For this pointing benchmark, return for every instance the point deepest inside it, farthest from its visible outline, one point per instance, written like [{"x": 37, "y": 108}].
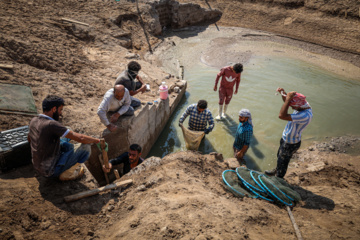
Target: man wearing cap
[
  {"x": 132, "y": 82},
  {"x": 243, "y": 136},
  {"x": 297, "y": 122},
  {"x": 230, "y": 76}
]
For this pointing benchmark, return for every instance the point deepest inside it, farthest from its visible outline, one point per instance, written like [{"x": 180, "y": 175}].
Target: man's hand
[
  {"x": 240, "y": 154},
  {"x": 107, "y": 170},
  {"x": 215, "y": 88},
  {"x": 114, "y": 117},
  {"x": 112, "y": 127},
  {"x": 180, "y": 124},
  {"x": 143, "y": 88},
  {"x": 236, "y": 91},
  {"x": 290, "y": 95}
]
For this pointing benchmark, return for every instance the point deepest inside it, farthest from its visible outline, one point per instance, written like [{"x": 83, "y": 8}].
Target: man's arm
[
  {"x": 211, "y": 122},
  {"x": 185, "y": 114},
  {"x": 102, "y": 110},
  {"x": 217, "y": 78},
  {"x": 81, "y": 138},
  {"x": 283, "y": 115},
  {"x": 238, "y": 79}
]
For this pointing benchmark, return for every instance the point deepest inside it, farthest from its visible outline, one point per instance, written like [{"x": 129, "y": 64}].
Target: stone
[{"x": 232, "y": 163}]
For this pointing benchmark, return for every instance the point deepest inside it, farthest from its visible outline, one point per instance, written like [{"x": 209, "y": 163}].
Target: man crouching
[{"x": 51, "y": 156}]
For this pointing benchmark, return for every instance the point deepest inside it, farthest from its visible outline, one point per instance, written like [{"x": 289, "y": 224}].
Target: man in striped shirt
[
  {"x": 297, "y": 122},
  {"x": 199, "y": 117}
]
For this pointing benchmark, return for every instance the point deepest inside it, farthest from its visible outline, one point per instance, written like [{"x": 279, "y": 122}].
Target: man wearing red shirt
[{"x": 230, "y": 75}]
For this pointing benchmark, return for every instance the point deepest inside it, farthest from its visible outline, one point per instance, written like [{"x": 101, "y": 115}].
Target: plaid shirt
[
  {"x": 243, "y": 136},
  {"x": 198, "y": 120}
]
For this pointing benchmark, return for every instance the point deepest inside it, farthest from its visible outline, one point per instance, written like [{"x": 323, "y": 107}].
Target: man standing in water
[
  {"x": 243, "y": 136},
  {"x": 297, "y": 122},
  {"x": 230, "y": 75},
  {"x": 199, "y": 117}
]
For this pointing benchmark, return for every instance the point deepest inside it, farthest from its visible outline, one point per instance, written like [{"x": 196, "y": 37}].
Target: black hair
[
  {"x": 135, "y": 147},
  {"x": 52, "y": 101},
  {"x": 238, "y": 68},
  {"x": 134, "y": 66},
  {"x": 202, "y": 104}
]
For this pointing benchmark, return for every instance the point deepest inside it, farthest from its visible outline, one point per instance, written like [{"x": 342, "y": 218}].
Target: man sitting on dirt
[
  {"x": 230, "y": 75},
  {"x": 116, "y": 100},
  {"x": 243, "y": 135},
  {"x": 130, "y": 159},
  {"x": 199, "y": 117},
  {"x": 297, "y": 122},
  {"x": 128, "y": 77},
  {"x": 51, "y": 156}
]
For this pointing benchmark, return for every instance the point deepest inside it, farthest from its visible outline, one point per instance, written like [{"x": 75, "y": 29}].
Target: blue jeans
[{"x": 70, "y": 156}]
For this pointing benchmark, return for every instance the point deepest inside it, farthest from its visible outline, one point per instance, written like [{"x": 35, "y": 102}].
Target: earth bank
[{"x": 180, "y": 196}]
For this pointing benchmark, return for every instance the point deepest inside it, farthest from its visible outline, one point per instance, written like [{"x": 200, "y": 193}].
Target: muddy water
[{"x": 334, "y": 98}]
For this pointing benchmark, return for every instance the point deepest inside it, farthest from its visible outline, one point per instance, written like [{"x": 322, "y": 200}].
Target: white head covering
[{"x": 246, "y": 113}]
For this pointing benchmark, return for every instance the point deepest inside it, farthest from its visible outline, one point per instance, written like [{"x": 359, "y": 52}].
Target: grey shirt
[
  {"x": 111, "y": 104},
  {"x": 125, "y": 80}
]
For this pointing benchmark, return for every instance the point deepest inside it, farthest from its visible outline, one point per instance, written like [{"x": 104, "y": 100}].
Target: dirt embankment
[
  {"x": 334, "y": 24},
  {"x": 182, "y": 197}
]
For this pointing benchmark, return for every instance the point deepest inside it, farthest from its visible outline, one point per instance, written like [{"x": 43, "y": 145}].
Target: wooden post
[
  {"x": 116, "y": 174},
  {"x": 297, "y": 230},
  {"x": 8, "y": 66},
  {"x": 96, "y": 191},
  {"x": 104, "y": 153},
  {"x": 105, "y": 173}
]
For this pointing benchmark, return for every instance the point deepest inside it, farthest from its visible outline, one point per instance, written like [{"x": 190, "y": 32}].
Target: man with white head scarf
[
  {"x": 243, "y": 136},
  {"x": 297, "y": 122}
]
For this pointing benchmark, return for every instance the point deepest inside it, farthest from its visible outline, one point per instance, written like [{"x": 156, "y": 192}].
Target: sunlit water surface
[{"x": 335, "y": 102}]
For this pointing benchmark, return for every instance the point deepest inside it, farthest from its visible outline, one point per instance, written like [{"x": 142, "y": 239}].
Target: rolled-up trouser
[
  {"x": 284, "y": 155},
  {"x": 70, "y": 155}
]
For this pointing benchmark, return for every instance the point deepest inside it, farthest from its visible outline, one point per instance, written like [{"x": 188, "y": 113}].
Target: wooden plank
[
  {"x": 105, "y": 173},
  {"x": 93, "y": 192},
  {"x": 8, "y": 66},
  {"x": 74, "y": 21},
  {"x": 297, "y": 230},
  {"x": 116, "y": 174}
]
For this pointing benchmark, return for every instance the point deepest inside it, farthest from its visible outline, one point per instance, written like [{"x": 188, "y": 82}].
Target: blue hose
[
  {"x": 273, "y": 194},
  {"x": 233, "y": 189}
]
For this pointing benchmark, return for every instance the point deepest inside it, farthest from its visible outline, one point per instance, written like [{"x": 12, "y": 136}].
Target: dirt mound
[{"x": 182, "y": 196}]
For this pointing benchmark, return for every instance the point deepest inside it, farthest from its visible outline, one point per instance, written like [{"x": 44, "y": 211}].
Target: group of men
[
  {"x": 54, "y": 156},
  {"x": 201, "y": 119}
]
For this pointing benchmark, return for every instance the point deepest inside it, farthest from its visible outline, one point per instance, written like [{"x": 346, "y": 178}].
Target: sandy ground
[{"x": 182, "y": 197}]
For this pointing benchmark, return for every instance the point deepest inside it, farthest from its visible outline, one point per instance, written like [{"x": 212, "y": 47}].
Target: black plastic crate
[{"x": 14, "y": 148}]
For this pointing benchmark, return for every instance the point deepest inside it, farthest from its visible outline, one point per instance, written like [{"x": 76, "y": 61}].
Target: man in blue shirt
[
  {"x": 297, "y": 122},
  {"x": 199, "y": 117},
  {"x": 243, "y": 136}
]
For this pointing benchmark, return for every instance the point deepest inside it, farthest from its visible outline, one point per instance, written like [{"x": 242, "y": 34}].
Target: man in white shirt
[{"x": 116, "y": 100}]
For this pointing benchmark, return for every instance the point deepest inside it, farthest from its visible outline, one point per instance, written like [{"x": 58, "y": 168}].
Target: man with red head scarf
[{"x": 297, "y": 122}]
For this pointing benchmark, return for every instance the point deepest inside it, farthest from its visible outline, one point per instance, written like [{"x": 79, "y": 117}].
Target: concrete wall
[{"x": 143, "y": 128}]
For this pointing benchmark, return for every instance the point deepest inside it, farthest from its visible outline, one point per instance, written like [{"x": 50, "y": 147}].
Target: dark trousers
[{"x": 284, "y": 155}]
